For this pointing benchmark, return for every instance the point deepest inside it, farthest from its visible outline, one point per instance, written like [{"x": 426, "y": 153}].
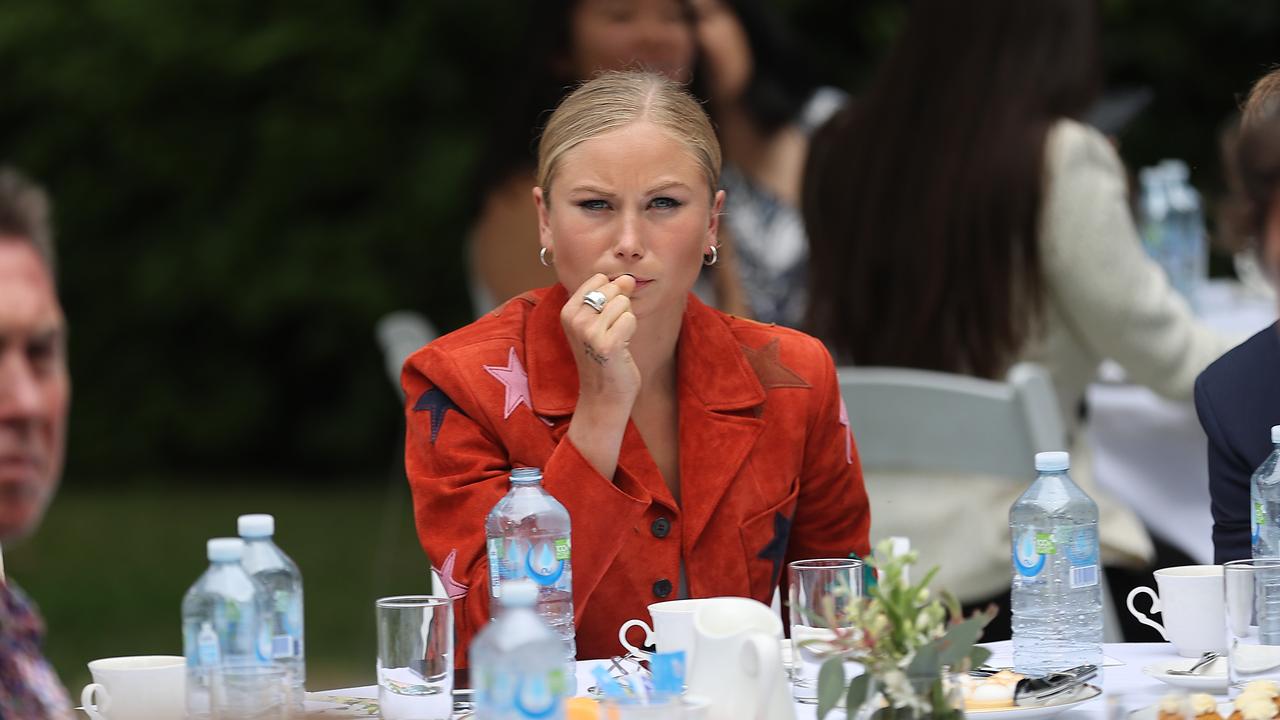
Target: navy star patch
[
  {"x": 776, "y": 550},
  {"x": 439, "y": 405}
]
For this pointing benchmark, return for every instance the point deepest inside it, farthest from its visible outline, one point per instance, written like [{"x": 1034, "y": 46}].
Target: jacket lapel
[
  {"x": 714, "y": 384},
  {"x": 715, "y": 436},
  {"x": 553, "y": 385}
]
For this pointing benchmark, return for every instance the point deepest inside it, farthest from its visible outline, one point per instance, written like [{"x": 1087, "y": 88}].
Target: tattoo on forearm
[{"x": 601, "y": 360}]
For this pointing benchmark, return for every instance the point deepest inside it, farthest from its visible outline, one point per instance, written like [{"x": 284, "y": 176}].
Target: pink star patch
[
  {"x": 848, "y": 433},
  {"x": 454, "y": 589},
  {"x": 515, "y": 380}
]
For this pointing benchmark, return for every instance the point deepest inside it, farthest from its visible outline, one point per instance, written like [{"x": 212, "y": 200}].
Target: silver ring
[{"x": 594, "y": 300}]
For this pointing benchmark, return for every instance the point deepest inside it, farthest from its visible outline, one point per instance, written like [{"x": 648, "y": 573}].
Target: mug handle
[
  {"x": 1155, "y": 608},
  {"x": 648, "y": 637},
  {"x": 761, "y": 662},
  {"x": 95, "y": 710}
]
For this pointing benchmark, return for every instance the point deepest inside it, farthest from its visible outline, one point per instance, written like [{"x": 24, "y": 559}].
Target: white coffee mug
[
  {"x": 1190, "y": 601},
  {"x": 672, "y": 629},
  {"x": 145, "y": 687}
]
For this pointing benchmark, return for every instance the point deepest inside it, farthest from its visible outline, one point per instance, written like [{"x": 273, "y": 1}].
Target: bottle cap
[
  {"x": 256, "y": 526},
  {"x": 519, "y": 593},
  {"x": 1052, "y": 461},
  {"x": 526, "y": 475},
  {"x": 225, "y": 549},
  {"x": 1275, "y": 434}
]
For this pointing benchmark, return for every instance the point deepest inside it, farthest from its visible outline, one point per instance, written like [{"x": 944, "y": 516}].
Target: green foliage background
[{"x": 243, "y": 188}]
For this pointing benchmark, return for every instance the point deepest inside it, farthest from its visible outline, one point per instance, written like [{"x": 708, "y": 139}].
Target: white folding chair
[
  {"x": 400, "y": 334},
  {"x": 925, "y": 422}
]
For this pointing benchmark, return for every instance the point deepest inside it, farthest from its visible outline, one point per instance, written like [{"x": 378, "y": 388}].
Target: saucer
[
  {"x": 1084, "y": 695},
  {"x": 1212, "y": 680}
]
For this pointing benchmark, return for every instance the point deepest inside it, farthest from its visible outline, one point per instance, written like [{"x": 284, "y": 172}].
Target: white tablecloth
[
  {"x": 1151, "y": 452},
  {"x": 1125, "y": 687}
]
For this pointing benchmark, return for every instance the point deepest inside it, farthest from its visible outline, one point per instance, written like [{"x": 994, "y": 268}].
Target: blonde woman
[{"x": 696, "y": 452}]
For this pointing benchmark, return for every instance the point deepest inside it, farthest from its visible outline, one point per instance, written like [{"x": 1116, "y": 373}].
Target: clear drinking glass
[
  {"x": 415, "y": 657},
  {"x": 1252, "y": 595},
  {"x": 819, "y": 589}
]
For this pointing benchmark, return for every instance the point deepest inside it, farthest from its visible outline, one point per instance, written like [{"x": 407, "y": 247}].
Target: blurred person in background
[
  {"x": 962, "y": 219},
  {"x": 696, "y": 453},
  {"x": 765, "y": 103},
  {"x": 1238, "y": 396},
  {"x": 35, "y": 392}
]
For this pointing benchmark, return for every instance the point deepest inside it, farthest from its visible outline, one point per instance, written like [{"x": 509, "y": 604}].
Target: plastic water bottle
[
  {"x": 1057, "y": 598},
  {"x": 528, "y": 538},
  {"x": 1188, "y": 249},
  {"x": 517, "y": 665},
  {"x": 224, "y": 635},
  {"x": 1264, "y": 522},
  {"x": 282, "y": 583},
  {"x": 1154, "y": 208}
]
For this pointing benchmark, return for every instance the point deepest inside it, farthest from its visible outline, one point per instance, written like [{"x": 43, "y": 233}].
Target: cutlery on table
[
  {"x": 1201, "y": 665},
  {"x": 1035, "y": 691}
]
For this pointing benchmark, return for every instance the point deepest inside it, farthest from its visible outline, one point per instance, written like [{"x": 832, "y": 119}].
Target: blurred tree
[{"x": 242, "y": 190}]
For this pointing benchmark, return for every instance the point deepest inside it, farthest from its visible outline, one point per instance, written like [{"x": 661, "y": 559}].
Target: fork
[{"x": 1205, "y": 661}]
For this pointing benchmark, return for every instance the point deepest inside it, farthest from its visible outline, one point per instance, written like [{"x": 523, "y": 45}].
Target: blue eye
[
  {"x": 593, "y": 204},
  {"x": 665, "y": 203}
]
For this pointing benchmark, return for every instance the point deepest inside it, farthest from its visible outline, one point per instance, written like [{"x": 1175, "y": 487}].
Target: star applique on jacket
[
  {"x": 776, "y": 551},
  {"x": 438, "y": 404}
]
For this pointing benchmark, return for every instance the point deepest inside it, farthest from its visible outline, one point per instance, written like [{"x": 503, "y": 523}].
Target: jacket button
[
  {"x": 662, "y": 588},
  {"x": 660, "y": 527}
]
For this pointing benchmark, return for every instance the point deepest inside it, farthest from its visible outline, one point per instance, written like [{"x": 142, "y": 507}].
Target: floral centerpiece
[{"x": 908, "y": 639}]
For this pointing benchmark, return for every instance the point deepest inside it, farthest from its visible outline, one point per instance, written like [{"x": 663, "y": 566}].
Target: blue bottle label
[
  {"x": 546, "y": 563},
  {"x": 1082, "y": 551},
  {"x": 495, "y": 567},
  {"x": 1257, "y": 519},
  {"x": 1028, "y": 560},
  {"x": 524, "y": 695}
]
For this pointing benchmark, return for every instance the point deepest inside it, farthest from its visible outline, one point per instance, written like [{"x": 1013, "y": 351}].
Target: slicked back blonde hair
[{"x": 613, "y": 100}]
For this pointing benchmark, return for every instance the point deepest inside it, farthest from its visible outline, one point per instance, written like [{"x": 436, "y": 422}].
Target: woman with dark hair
[
  {"x": 765, "y": 103},
  {"x": 1238, "y": 396},
  {"x": 962, "y": 219}
]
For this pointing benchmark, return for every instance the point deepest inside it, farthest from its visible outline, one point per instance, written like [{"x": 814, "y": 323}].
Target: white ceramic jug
[{"x": 738, "y": 661}]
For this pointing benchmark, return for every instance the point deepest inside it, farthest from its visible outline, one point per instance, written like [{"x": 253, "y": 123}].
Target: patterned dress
[
  {"x": 768, "y": 233},
  {"x": 29, "y": 688}
]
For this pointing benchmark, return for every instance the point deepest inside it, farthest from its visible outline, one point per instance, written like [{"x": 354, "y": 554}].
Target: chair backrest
[
  {"x": 400, "y": 334},
  {"x": 918, "y": 420}
]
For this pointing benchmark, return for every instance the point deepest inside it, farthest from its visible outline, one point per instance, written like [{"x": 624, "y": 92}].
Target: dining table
[{"x": 1126, "y": 688}]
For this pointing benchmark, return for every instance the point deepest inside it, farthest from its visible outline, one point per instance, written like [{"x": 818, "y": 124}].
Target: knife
[{"x": 1035, "y": 691}]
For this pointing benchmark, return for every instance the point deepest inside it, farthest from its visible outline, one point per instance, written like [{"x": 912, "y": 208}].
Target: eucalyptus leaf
[
  {"x": 926, "y": 663},
  {"x": 859, "y": 688},
  {"x": 978, "y": 656},
  {"x": 830, "y": 685},
  {"x": 957, "y": 643}
]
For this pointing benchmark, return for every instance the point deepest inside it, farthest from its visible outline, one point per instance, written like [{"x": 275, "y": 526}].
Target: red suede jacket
[{"x": 768, "y": 468}]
